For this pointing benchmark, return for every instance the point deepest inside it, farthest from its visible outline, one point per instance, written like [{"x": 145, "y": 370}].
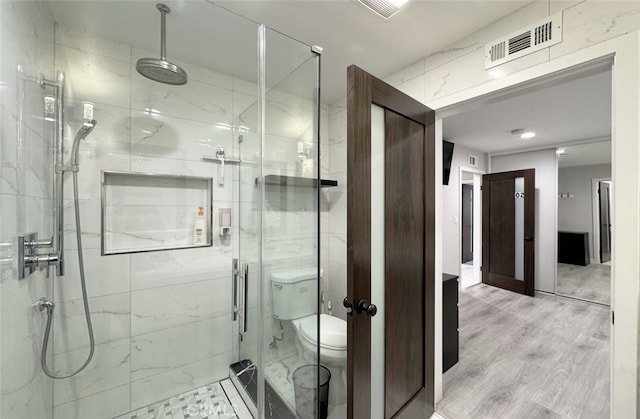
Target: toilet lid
[{"x": 333, "y": 331}]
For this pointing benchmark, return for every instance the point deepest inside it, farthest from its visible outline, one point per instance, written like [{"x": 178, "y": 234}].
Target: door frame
[
  {"x": 364, "y": 90},
  {"x": 623, "y": 55},
  {"x": 595, "y": 257},
  {"x": 477, "y": 219}
]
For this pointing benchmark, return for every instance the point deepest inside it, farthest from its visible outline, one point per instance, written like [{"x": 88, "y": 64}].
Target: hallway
[{"x": 523, "y": 357}]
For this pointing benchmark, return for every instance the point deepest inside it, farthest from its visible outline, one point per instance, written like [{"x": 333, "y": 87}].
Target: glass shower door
[
  {"x": 247, "y": 266},
  {"x": 278, "y": 203}
]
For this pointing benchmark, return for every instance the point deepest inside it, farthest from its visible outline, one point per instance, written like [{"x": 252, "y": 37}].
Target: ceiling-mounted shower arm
[
  {"x": 159, "y": 69},
  {"x": 164, "y": 9}
]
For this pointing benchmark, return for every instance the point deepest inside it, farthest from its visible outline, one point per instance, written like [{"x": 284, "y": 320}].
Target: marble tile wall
[
  {"x": 461, "y": 66},
  {"x": 26, "y": 39},
  {"x": 161, "y": 319},
  {"x": 336, "y": 198}
]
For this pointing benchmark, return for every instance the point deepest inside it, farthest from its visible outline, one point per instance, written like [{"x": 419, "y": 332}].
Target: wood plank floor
[
  {"x": 523, "y": 357},
  {"x": 591, "y": 282}
]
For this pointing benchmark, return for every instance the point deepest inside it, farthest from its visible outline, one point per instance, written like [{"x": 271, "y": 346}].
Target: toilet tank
[{"x": 295, "y": 293}]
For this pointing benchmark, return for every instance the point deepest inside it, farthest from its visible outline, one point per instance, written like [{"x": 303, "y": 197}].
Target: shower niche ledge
[
  {"x": 143, "y": 212},
  {"x": 278, "y": 180}
]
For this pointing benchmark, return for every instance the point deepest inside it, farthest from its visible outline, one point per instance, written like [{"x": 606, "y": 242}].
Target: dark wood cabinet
[
  {"x": 573, "y": 247},
  {"x": 449, "y": 321}
]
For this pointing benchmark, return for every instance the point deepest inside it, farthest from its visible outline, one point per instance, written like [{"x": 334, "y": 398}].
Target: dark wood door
[
  {"x": 408, "y": 251},
  {"x": 467, "y": 223},
  {"x": 508, "y": 230},
  {"x": 604, "y": 194}
]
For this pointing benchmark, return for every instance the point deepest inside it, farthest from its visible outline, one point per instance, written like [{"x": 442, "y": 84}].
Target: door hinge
[
  {"x": 613, "y": 317},
  {"x": 481, "y": 269}
]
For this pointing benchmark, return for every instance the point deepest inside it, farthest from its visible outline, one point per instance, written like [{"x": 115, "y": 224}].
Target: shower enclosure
[{"x": 172, "y": 318}]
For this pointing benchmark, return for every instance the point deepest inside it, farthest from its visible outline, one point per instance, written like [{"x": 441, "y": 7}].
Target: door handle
[
  {"x": 348, "y": 306},
  {"x": 245, "y": 296},
  {"x": 235, "y": 272},
  {"x": 529, "y": 238},
  {"x": 364, "y": 307}
]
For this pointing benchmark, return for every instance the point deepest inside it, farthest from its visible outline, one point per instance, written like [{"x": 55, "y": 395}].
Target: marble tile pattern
[
  {"x": 26, "y": 39},
  {"x": 279, "y": 373},
  {"x": 461, "y": 65},
  {"x": 218, "y": 400}
]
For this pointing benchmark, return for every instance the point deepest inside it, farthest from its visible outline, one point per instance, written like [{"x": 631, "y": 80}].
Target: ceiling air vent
[
  {"x": 533, "y": 38},
  {"x": 383, "y": 8}
]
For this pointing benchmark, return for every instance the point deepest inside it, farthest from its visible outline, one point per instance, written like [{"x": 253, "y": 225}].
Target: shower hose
[{"x": 85, "y": 300}]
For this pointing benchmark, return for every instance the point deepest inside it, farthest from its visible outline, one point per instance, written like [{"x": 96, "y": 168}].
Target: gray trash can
[{"x": 307, "y": 385}]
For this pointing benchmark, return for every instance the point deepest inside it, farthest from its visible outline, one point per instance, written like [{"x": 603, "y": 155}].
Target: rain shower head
[{"x": 159, "y": 69}]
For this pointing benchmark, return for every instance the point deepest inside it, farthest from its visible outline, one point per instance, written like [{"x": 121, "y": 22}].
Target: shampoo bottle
[{"x": 200, "y": 228}]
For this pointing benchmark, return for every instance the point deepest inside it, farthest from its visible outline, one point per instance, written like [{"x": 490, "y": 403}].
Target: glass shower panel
[
  {"x": 249, "y": 269},
  {"x": 290, "y": 220}
]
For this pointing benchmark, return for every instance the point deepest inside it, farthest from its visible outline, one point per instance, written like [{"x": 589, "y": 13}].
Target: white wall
[
  {"x": 451, "y": 207},
  {"x": 576, "y": 213},
  {"x": 544, "y": 162}
]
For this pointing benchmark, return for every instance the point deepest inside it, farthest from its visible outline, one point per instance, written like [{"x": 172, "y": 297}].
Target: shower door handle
[
  {"x": 245, "y": 296},
  {"x": 235, "y": 272}
]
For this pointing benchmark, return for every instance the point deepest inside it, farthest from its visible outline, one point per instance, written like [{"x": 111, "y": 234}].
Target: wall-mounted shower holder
[
  {"x": 28, "y": 257},
  {"x": 224, "y": 221}
]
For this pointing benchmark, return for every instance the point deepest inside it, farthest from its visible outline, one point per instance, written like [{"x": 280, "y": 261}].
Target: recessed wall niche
[{"x": 149, "y": 212}]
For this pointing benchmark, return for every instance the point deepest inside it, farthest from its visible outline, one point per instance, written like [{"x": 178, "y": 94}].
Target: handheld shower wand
[{"x": 84, "y": 131}]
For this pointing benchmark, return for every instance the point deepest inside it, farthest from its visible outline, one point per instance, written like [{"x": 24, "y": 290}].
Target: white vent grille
[
  {"x": 523, "y": 42},
  {"x": 473, "y": 160},
  {"x": 382, "y": 8}
]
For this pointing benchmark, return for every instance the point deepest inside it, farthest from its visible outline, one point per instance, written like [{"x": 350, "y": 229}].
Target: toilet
[{"x": 295, "y": 299}]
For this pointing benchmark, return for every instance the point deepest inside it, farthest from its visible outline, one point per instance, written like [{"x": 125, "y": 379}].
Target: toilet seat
[{"x": 333, "y": 332}]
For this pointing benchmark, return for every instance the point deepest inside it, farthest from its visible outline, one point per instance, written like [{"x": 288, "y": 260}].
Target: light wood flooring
[
  {"x": 524, "y": 357},
  {"x": 591, "y": 282}
]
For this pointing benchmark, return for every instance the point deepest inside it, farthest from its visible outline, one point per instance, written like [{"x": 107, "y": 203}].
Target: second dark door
[{"x": 508, "y": 230}]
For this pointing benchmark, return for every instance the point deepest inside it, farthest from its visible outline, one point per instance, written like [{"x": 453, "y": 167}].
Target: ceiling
[
  {"x": 573, "y": 111},
  {"x": 202, "y": 34}
]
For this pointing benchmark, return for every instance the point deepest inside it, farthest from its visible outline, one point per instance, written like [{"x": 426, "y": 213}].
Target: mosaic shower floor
[{"x": 218, "y": 400}]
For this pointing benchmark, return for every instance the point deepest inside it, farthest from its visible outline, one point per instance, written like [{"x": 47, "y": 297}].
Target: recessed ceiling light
[
  {"x": 383, "y": 8},
  {"x": 561, "y": 151},
  {"x": 525, "y": 135}
]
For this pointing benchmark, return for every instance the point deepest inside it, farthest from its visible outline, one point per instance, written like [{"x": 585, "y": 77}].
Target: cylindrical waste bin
[{"x": 311, "y": 385}]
